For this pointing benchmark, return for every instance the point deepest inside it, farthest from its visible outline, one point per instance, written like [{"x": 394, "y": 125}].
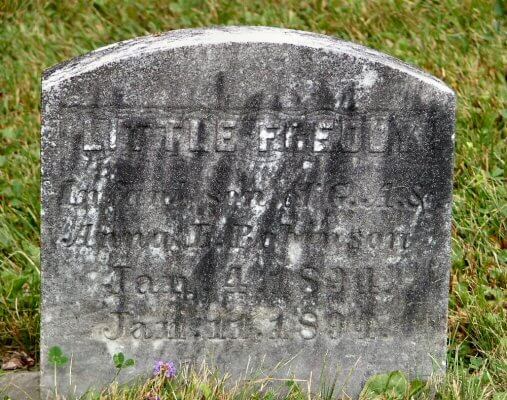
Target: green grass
[
  {"x": 462, "y": 42},
  {"x": 207, "y": 383}
]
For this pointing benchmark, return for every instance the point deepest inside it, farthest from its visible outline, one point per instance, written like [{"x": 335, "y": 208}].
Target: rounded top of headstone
[{"x": 187, "y": 38}]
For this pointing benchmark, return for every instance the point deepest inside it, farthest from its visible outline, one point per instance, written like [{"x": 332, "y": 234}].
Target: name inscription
[{"x": 263, "y": 132}]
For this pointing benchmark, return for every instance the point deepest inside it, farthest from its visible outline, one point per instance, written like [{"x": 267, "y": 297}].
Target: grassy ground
[{"x": 462, "y": 42}]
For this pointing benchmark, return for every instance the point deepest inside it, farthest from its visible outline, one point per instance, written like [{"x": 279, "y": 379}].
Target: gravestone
[{"x": 247, "y": 196}]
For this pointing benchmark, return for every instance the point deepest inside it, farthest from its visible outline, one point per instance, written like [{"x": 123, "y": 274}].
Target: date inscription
[{"x": 332, "y": 301}]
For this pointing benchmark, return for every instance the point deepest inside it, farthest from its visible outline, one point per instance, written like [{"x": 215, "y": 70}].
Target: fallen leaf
[{"x": 17, "y": 360}]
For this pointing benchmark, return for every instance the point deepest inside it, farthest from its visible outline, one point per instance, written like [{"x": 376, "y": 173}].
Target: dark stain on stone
[
  {"x": 296, "y": 97},
  {"x": 201, "y": 136},
  {"x": 277, "y": 104},
  {"x": 250, "y": 111},
  {"x": 127, "y": 172},
  {"x": 76, "y": 146},
  {"x": 205, "y": 277},
  {"x": 324, "y": 97},
  {"x": 220, "y": 91},
  {"x": 417, "y": 297},
  {"x": 221, "y": 176},
  {"x": 130, "y": 170},
  {"x": 347, "y": 98},
  {"x": 136, "y": 134},
  {"x": 117, "y": 98}
]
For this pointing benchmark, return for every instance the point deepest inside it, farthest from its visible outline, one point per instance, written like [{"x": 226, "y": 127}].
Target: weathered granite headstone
[{"x": 245, "y": 194}]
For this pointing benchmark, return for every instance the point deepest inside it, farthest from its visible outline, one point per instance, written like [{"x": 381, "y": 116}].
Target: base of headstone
[{"x": 20, "y": 385}]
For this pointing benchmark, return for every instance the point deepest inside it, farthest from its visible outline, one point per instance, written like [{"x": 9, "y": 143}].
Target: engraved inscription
[
  {"x": 334, "y": 301},
  {"x": 215, "y": 231},
  {"x": 315, "y": 133}
]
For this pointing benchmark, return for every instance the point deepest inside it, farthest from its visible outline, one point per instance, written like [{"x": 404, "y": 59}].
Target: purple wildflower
[{"x": 168, "y": 369}]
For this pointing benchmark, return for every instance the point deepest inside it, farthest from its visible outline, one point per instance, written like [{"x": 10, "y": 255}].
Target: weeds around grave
[{"x": 206, "y": 382}]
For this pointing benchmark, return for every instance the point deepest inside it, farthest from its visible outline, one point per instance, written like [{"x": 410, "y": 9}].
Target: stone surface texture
[
  {"x": 248, "y": 195},
  {"x": 20, "y": 385}
]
